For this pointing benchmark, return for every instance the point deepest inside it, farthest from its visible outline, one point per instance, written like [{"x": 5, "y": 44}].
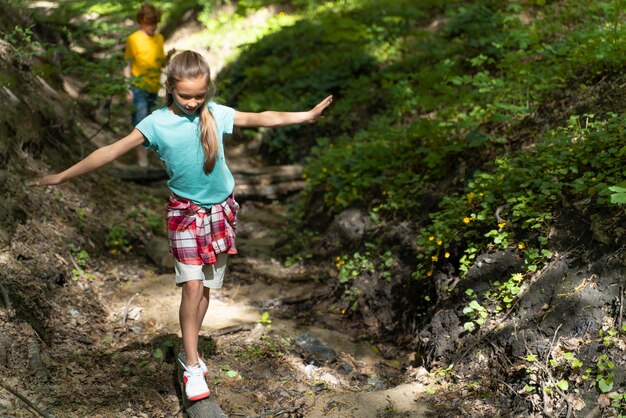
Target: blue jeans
[{"x": 143, "y": 104}]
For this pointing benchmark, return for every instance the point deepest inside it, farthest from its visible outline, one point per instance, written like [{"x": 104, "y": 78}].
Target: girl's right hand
[
  {"x": 49, "y": 180},
  {"x": 316, "y": 112}
]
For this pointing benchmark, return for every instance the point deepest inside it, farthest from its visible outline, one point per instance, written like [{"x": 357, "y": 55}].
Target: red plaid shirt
[{"x": 198, "y": 234}]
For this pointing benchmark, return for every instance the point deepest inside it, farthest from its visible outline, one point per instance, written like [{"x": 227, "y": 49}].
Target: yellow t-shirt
[{"x": 146, "y": 56}]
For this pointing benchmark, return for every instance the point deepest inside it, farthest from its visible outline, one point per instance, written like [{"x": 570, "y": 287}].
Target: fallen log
[
  {"x": 270, "y": 174},
  {"x": 204, "y": 408},
  {"x": 273, "y": 191},
  {"x": 269, "y": 182}
]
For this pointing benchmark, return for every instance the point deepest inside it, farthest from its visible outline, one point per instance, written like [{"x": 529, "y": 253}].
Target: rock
[
  {"x": 158, "y": 250},
  {"x": 317, "y": 349},
  {"x": 345, "y": 368},
  {"x": 350, "y": 225}
]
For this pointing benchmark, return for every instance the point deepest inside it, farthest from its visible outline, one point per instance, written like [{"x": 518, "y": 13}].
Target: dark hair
[
  {"x": 190, "y": 64},
  {"x": 148, "y": 14}
]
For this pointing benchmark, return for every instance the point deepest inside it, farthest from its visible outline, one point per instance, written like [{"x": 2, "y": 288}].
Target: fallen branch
[
  {"x": 621, "y": 307},
  {"x": 30, "y": 405},
  {"x": 126, "y": 308},
  {"x": 6, "y": 300},
  {"x": 233, "y": 329},
  {"x": 295, "y": 300}
]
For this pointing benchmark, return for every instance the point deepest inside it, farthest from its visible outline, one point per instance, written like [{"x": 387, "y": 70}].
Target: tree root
[{"x": 31, "y": 407}]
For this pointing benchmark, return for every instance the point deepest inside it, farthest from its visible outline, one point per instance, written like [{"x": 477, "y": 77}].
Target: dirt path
[{"x": 259, "y": 366}]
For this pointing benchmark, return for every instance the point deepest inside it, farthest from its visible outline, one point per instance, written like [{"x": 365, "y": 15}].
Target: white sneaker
[
  {"x": 195, "y": 383},
  {"x": 205, "y": 371}
]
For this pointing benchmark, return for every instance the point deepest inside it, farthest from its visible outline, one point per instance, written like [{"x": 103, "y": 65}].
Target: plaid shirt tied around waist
[{"x": 197, "y": 234}]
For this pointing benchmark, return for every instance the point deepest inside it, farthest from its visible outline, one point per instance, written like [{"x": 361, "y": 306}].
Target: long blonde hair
[{"x": 190, "y": 64}]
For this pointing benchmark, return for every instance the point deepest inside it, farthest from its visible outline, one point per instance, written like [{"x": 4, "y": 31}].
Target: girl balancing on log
[{"x": 202, "y": 211}]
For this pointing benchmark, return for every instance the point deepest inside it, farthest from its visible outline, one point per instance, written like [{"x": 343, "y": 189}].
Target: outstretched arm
[
  {"x": 272, "y": 118},
  {"x": 98, "y": 158}
]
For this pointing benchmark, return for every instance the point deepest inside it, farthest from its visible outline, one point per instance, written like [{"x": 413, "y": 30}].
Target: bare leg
[
  {"x": 204, "y": 305},
  {"x": 190, "y": 306},
  {"x": 202, "y": 308}
]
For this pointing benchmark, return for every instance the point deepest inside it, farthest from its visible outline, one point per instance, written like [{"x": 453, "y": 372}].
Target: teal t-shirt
[{"x": 176, "y": 140}]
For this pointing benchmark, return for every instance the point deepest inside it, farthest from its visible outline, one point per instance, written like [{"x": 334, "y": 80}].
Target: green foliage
[
  {"x": 81, "y": 260},
  {"x": 556, "y": 374},
  {"x": 572, "y": 163},
  {"x": 148, "y": 218},
  {"x": 267, "y": 348},
  {"x": 605, "y": 374},
  {"x": 117, "y": 240},
  {"x": 351, "y": 267},
  {"x": 265, "y": 320},
  {"x": 618, "y": 195},
  {"x": 22, "y": 41},
  {"x": 81, "y": 256},
  {"x": 327, "y": 53},
  {"x": 477, "y": 315}
]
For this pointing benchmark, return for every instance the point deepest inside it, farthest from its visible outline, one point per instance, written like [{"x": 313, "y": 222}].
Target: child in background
[
  {"x": 201, "y": 215},
  {"x": 145, "y": 55}
]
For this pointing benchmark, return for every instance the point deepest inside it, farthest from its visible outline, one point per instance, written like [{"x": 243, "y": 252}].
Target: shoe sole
[{"x": 200, "y": 396}]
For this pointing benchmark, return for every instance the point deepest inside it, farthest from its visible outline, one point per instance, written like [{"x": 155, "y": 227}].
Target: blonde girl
[{"x": 201, "y": 216}]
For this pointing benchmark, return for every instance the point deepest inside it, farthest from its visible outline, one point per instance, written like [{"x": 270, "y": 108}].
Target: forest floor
[
  {"x": 116, "y": 336},
  {"x": 98, "y": 335}
]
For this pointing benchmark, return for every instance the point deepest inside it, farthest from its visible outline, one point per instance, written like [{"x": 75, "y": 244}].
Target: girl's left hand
[
  {"x": 316, "y": 112},
  {"x": 49, "y": 180}
]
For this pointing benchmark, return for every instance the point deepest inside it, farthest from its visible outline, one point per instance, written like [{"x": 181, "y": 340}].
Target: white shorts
[{"x": 212, "y": 275}]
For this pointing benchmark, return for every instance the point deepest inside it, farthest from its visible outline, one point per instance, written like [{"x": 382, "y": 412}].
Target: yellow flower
[
  {"x": 502, "y": 224},
  {"x": 431, "y": 238},
  {"x": 518, "y": 277},
  {"x": 434, "y": 258},
  {"x": 467, "y": 220},
  {"x": 446, "y": 255},
  {"x": 337, "y": 258},
  {"x": 439, "y": 242},
  {"x": 428, "y": 274},
  {"x": 521, "y": 246}
]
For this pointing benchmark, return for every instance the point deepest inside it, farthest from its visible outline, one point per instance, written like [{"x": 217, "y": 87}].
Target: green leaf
[
  {"x": 469, "y": 326},
  {"x": 605, "y": 385},
  {"x": 158, "y": 353},
  {"x": 563, "y": 385},
  {"x": 475, "y": 305},
  {"x": 619, "y": 195}
]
